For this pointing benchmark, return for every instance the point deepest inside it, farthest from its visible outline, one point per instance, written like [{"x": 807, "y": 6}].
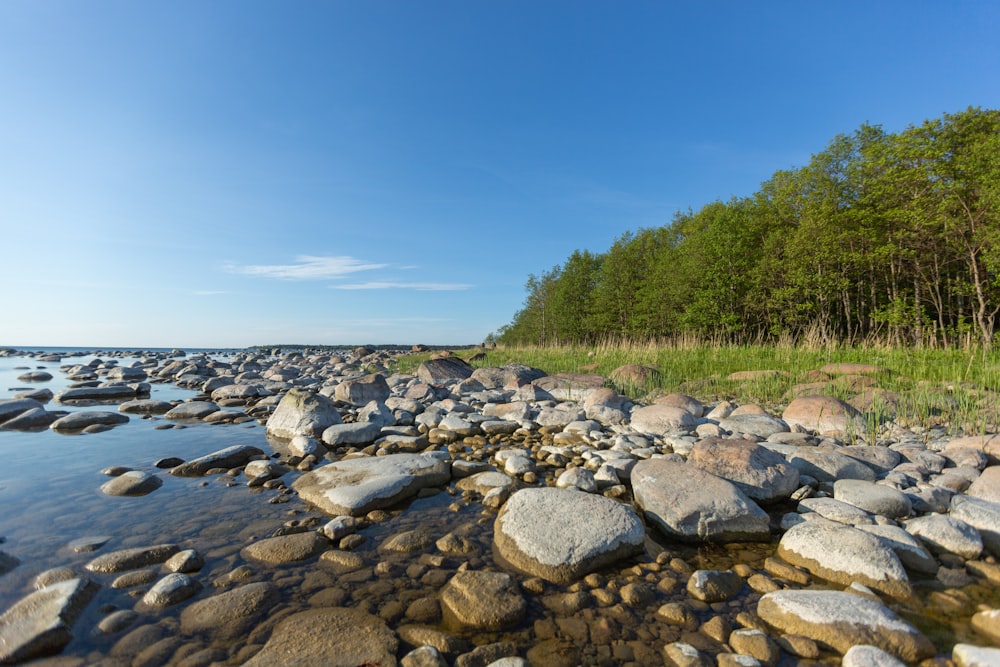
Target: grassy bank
[{"x": 926, "y": 386}]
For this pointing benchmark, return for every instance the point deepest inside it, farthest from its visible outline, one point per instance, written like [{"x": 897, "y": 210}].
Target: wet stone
[
  {"x": 41, "y": 623},
  {"x": 286, "y": 548},
  {"x": 135, "y": 578},
  {"x": 88, "y": 544},
  {"x": 130, "y": 559},
  {"x": 484, "y": 600},
  {"x": 714, "y": 585},
  {"x": 334, "y": 636},
  {"x": 132, "y": 483},
  {"x": 231, "y": 614},
  {"x": 170, "y": 590}
]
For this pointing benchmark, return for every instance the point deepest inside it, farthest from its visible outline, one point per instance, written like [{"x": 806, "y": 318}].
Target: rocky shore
[{"x": 501, "y": 516}]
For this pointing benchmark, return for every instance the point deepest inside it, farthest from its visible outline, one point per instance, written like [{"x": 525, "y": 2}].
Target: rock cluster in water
[{"x": 577, "y": 483}]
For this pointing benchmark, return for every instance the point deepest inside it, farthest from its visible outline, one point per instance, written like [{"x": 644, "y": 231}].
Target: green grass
[{"x": 922, "y": 386}]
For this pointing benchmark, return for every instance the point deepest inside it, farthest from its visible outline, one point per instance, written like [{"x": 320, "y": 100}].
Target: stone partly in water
[
  {"x": 302, "y": 412},
  {"x": 357, "y": 486},
  {"x": 132, "y": 483},
  {"x": 845, "y": 555},
  {"x": 841, "y": 620},
  {"x": 333, "y": 637},
  {"x": 690, "y": 504},
  {"x": 230, "y": 457},
  {"x": 563, "y": 534},
  {"x": 41, "y": 623},
  {"x": 77, "y": 421},
  {"x": 132, "y": 559},
  {"x": 192, "y": 410},
  {"x": 13, "y": 407},
  {"x": 34, "y": 419}
]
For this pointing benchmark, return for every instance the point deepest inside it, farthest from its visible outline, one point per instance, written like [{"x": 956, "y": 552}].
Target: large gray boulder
[
  {"x": 444, "y": 370},
  {"x": 874, "y": 498},
  {"x": 987, "y": 485},
  {"x": 41, "y": 623},
  {"x": 946, "y": 534},
  {"x": 662, "y": 418},
  {"x": 563, "y": 534},
  {"x": 689, "y": 504},
  {"x": 763, "y": 475},
  {"x": 357, "y": 486},
  {"x": 981, "y": 514},
  {"x": 361, "y": 391},
  {"x": 511, "y": 375},
  {"x": 823, "y": 414},
  {"x": 845, "y": 555},
  {"x": 762, "y": 425},
  {"x": 354, "y": 433},
  {"x": 329, "y": 637},
  {"x": 841, "y": 620},
  {"x": 302, "y": 412},
  {"x": 829, "y": 465},
  {"x": 570, "y": 386}
]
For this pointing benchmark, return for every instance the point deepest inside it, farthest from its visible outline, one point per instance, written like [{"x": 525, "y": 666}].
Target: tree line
[{"x": 881, "y": 237}]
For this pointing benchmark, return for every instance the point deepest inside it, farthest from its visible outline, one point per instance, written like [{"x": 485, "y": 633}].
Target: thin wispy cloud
[
  {"x": 307, "y": 267},
  {"x": 426, "y": 287}
]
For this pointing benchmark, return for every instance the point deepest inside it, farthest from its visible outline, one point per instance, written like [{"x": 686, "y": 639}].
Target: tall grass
[{"x": 918, "y": 386}]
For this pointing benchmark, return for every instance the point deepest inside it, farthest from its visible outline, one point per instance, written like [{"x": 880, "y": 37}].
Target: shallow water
[{"x": 49, "y": 487}]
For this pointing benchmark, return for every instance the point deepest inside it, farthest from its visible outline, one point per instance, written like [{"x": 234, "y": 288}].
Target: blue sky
[{"x": 229, "y": 173}]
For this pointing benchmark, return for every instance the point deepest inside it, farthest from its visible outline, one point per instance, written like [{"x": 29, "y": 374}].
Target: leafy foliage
[{"x": 880, "y": 237}]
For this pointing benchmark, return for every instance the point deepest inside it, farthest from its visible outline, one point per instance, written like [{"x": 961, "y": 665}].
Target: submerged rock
[
  {"x": 231, "y": 614},
  {"x": 333, "y": 637},
  {"x": 482, "y": 600},
  {"x": 41, "y": 623}
]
